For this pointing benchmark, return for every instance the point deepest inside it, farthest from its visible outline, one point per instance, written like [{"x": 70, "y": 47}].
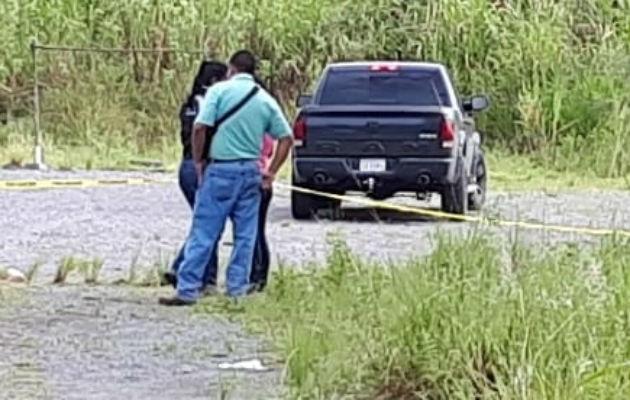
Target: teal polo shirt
[{"x": 241, "y": 135}]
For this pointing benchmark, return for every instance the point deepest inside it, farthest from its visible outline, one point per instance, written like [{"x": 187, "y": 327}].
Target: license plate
[{"x": 372, "y": 165}]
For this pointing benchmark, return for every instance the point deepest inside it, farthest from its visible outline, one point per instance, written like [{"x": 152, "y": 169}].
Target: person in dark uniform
[{"x": 208, "y": 74}]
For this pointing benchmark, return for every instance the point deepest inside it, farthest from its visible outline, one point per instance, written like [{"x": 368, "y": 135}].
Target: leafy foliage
[{"x": 556, "y": 71}]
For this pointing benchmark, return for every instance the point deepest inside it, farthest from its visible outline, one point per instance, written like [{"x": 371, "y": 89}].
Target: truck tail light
[
  {"x": 299, "y": 130},
  {"x": 447, "y": 133},
  {"x": 383, "y": 67}
]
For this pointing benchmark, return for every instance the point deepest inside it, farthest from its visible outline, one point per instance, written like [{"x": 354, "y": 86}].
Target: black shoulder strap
[
  {"x": 210, "y": 133},
  {"x": 237, "y": 107}
]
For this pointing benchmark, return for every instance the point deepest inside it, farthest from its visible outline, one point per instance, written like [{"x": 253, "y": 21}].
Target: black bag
[
  {"x": 212, "y": 130},
  {"x": 187, "y": 114},
  {"x": 208, "y": 74}
]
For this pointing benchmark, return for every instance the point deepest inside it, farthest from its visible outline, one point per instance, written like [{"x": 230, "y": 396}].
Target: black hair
[
  {"x": 243, "y": 61},
  {"x": 208, "y": 74},
  {"x": 260, "y": 82}
]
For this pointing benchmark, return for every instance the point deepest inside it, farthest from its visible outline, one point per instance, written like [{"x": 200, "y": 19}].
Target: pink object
[{"x": 266, "y": 153}]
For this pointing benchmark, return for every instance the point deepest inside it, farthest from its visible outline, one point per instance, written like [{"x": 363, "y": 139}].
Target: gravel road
[
  {"x": 89, "y": 343},
  {"x": 49, "y": 328},
  {"x": 142, "y": 225}
]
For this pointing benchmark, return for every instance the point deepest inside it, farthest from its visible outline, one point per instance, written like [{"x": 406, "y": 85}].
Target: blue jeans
[
  {"x": 188, "y": 186},
  {"x": 229, "y": 190}
]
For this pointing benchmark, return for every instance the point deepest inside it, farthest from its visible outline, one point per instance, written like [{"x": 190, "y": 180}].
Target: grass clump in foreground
[{"x": 469, "y": 321}]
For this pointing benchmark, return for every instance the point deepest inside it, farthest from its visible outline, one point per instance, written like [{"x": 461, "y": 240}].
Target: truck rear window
[{"x": 414, "y": 87}]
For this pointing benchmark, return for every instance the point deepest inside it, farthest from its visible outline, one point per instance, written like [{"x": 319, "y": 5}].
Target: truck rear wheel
[
  {"x": 302, "y": 205},
  {"x": 455, "y": 195},
  {"x": 305, "y": 206}
]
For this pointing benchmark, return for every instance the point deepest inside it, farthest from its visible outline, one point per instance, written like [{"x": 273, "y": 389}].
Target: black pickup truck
[{"x": 384, "y": 128}]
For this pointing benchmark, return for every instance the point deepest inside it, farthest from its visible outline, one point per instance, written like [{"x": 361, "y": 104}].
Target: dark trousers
[
  {"x": 260, "y": 266},
  {"x": 261, "y": 260}
]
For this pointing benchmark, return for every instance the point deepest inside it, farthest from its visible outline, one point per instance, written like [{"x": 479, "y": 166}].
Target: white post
[{"x": 38, "y": 151}]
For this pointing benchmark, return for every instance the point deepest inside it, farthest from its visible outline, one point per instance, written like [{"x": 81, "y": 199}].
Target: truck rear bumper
[{"x": 401, "y": 175}]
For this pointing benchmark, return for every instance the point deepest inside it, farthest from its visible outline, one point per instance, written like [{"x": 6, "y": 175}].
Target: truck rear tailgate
[{"x": 379, "y": 131}]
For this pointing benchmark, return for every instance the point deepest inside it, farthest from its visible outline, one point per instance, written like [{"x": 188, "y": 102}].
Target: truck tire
[
  {"x": 303, "y": 206},
  {"x": 455, "y": 195},
  {"x": 477, "y": 198},
  {"x": 331, "y": 206}
]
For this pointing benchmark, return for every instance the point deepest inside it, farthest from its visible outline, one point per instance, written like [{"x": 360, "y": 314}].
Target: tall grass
[
  {"x": 469, "y": 321},
  {"x": 557, "y": 71}
]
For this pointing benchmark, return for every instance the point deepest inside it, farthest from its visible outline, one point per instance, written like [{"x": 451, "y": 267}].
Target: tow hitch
[{"x": 370, "y": 182}]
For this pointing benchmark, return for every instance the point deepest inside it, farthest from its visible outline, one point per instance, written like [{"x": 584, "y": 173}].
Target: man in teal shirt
[{"x": 230, "y": 183}]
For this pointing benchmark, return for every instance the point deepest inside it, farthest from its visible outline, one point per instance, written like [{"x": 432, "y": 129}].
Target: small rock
[{"x": 15, "y": 276}]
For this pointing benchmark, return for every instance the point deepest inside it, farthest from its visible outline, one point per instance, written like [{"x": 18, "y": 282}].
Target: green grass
[
  {"x": 556, "y": 71},
  {"x": 89, "y": 269},
  {"x": 117, "y": 153},
  {"x": 508, "y": 172},
  {"x": 468, "y": 321}
]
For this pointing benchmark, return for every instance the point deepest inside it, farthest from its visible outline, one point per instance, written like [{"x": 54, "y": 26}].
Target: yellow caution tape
[
  {"x": 468, "y": 218},
  {"x": 78, "y": 183},
  {"x": 82, "y": 183}
]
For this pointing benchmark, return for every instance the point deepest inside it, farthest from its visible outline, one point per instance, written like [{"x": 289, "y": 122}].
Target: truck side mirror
[
  {"x": 476, "y": 103},
  {"x": 303, "y": 100}
]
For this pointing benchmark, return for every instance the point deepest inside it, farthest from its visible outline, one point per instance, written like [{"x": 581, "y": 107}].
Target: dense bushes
[{"x": 557, "y": 71}]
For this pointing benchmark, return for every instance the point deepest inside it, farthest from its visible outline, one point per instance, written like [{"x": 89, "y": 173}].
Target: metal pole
[
  {"x": 38, "y": 152},
  {"x": 74, "y": 49}
]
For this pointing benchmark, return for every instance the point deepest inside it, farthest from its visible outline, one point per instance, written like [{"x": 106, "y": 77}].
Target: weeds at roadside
[
  {"x": 33, "y": 269},
  {"x": 153, "y": 276},
  {"x": 91, "y": 270},
  {"x": 65, "y": 267},
  {"x": 447, "y": 326},
  {"x": 133, "y": 267}
]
